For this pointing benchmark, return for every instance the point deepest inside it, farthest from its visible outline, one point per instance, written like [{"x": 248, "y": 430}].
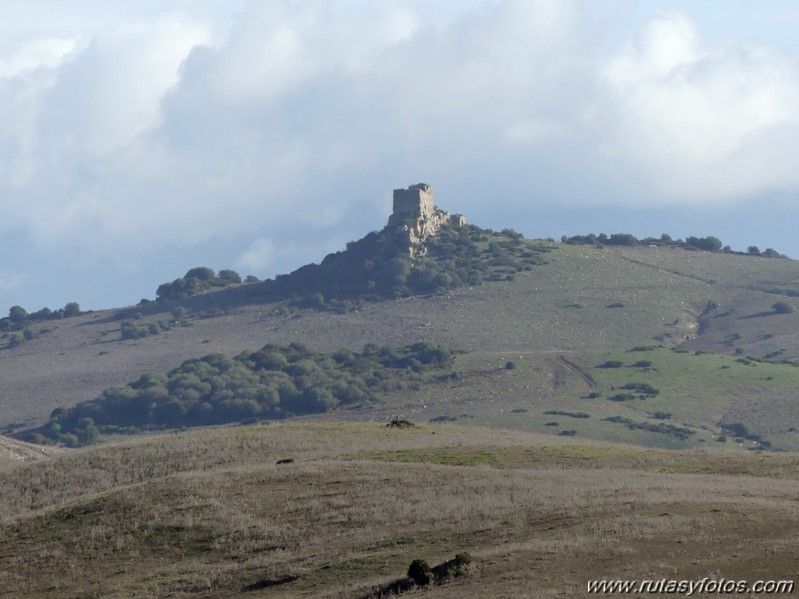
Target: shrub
[
  {"x": 736, "y": 429},
  {"x": 611, "y": 364},
  {"x": 782, "y": 308},
  {"x": 621, "y": 397},
  {"x": 644, "y": 388},
  {"x": 570, "y": 414},
  {"x": 510, "y": 365},
  {"x": 420, "y": 572}
]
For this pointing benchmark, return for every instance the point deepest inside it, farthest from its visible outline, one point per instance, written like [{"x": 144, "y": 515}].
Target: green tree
[
  {"x": 229, "y": 277},
  {"x": 18, "y": 314},
  {"x": 201, "y": 272},
  {"x": 72, "y": 309}
]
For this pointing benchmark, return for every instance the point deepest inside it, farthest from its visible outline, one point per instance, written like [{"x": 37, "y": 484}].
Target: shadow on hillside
[{"x": 759, "y": 315}]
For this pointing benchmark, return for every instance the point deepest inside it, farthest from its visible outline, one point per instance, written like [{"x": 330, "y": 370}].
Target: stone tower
[
  {"x": 415, "y": 217},
  {"x": 414, "y": 201}
]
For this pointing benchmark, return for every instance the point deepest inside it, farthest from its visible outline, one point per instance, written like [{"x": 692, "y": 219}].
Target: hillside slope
[
  {"x": 584, "y": 302},
  {"x": 339, "y": 510}
]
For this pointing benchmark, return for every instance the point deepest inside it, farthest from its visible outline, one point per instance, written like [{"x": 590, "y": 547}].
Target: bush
[
  {"x": 782, "y": 308},
  {"x": 644, "y": 388},
  {"x": 510, "y": 365},
  {"x": 611, "y": 364},
  {"x": 621, "y": 397},
  {"x": 420, "y": 572},
  {"x": 736, "y": 429}
]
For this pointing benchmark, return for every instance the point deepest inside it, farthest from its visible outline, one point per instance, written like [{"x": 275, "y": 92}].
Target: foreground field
[{"x": 212, "y": 513}]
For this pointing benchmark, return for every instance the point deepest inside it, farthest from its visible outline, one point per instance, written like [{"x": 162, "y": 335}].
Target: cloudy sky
[{"x": 140, "y": 138}]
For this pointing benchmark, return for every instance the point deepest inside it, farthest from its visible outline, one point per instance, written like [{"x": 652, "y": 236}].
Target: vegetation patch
[
  {"x": 707, "y": 244},
  {"x": 16, "y": 328},
  {"x": 643, "y": 388},
  {"x": 678, "y": 432},
  {"x": 611, "y": 364},
  {"x": 372, "y": 269},
  {"x": 421, "y": 574},
  {"x": 271, "y": 383},
  {"x": 569, "y": 414},
  {"x": 197, "y": 280}
]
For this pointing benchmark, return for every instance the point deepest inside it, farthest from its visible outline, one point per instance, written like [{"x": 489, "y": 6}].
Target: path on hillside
[
  {"x": 577, "y": 370},
  {"x": 668, "y": 270}
]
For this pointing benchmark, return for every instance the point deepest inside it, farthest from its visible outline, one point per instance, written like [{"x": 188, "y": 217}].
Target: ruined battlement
[
  {"x": 415, "y": 200},
  {"x": 416, "y": 217}
]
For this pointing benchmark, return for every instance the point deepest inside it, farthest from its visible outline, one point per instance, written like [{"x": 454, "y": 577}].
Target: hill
[
  {"x": 339, "y": 510},
  {"x": 534, "y": 391},
  {"x": 531, "y": 328}
]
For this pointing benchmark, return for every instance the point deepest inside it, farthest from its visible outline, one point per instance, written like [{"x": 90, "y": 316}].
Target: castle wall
[
  {"x": 415, "y": 217},
  {"x": 415, "y": 201}
]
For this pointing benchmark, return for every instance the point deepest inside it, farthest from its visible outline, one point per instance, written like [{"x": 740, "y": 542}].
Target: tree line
[{"x": 707, "y": 244}]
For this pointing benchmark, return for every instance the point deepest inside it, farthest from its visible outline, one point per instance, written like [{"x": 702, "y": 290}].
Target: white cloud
[
  {"x": 164, "y": 130},
  {"x": 38, "y": 54},
  {"x": 704, "y": 124}
]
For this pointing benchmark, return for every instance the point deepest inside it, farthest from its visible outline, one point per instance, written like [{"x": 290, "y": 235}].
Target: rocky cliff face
[{"x": 416, "y": 218}]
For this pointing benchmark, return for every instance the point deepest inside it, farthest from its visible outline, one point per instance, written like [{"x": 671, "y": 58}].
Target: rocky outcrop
[{"x": 416, "y": 218}]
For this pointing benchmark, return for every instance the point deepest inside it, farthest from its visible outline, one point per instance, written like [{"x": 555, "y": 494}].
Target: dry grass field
[{"x": 212, "y": 513}]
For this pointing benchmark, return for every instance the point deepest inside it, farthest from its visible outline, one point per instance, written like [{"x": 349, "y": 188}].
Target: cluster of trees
[
  {"x": 273, "y": 382},
  {"x": 679, "y": 432},
  {"x": 129, "y": 329},
  {"x": 18, "y": 317},
  {"x": 16, "y": 327},
  {"x": 707, "y": 244},
  {"x": 197, "y": 280},
  {"x": 372, "y": 268},
  {"x": 379, "y": 267}
]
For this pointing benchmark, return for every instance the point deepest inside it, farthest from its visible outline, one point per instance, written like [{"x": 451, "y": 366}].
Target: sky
[{"x": 139, "y": 139}]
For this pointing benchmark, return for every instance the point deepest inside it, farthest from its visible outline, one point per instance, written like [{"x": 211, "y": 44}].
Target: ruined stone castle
[{"x": 415, "y": 217}]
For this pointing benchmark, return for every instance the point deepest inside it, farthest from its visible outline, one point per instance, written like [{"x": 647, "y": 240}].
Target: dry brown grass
[{"x": 209, "y": 513}]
